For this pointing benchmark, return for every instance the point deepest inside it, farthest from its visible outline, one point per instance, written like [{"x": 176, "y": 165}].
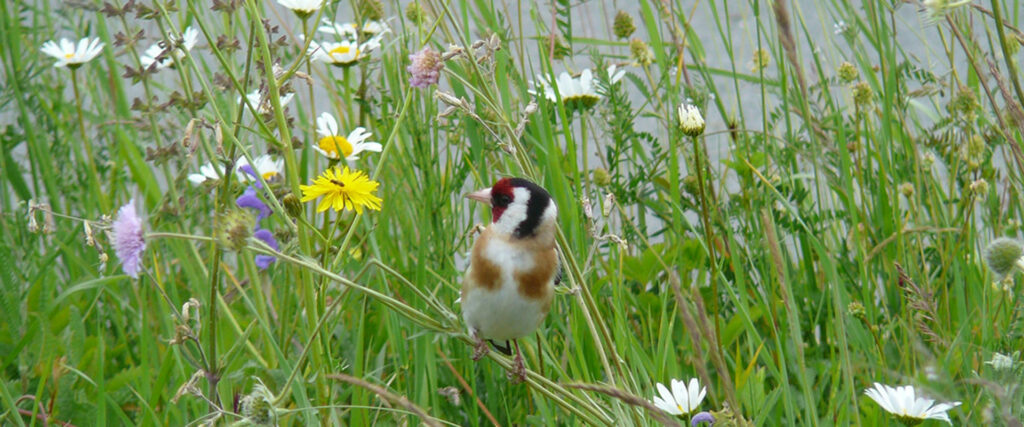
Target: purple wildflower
[
  {"x": 126, "y": 234},
  {"x": 249, "y": 199},
  {"x": 246, "y": 168},
  {"x": 702, "y": 417},
  {"x": 425, "y": 68},
  {"x": 263, "y": 261}
]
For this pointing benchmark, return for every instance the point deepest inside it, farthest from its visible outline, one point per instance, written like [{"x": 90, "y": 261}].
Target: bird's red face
[
  {"x": 500, "y": 196},
  {"x": 518, "y": 206}
]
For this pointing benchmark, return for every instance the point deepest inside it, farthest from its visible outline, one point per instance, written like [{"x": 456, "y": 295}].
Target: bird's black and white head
[{"x": 519, "y": 207}]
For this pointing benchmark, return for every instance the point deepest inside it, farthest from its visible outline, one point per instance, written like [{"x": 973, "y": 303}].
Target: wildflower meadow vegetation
[{"x": 252, "y": 212}]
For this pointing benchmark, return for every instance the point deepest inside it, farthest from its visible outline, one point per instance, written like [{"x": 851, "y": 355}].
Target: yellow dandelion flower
[{"x": 342, "y": 189}]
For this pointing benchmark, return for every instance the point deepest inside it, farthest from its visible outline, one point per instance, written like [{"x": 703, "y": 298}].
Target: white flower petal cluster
[
  {"x": 904, "y": 403},
  {"x": 334, "y": 145},
  {"x": 189, "y": 37},
  {"x": 684, "y": 398},
  {"x": 71, "y": 54}
]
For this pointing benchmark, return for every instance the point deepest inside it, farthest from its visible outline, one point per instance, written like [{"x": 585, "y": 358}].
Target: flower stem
[{"x": 93, "y": 175}]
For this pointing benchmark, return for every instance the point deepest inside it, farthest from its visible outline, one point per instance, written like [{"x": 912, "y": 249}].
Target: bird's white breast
[{"x": 504, "y": 313}]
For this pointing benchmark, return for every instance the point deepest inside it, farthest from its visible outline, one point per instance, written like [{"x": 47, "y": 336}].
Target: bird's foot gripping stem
[{"x": 480, "y": 349}]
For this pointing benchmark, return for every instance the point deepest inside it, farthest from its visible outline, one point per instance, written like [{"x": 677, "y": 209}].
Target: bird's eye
[{"x": 502, "y": 199}]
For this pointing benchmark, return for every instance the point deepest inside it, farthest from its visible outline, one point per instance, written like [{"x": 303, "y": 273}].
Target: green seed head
[
  {"x": 640, "y": 52},
  {"x": 761, "y": 59},
  {"x": 907, "y": 189},
  {"x": 371, "y": 9},
  {"x": 847, "y": 72},
  {"x": 257, "y": 407},
  {"x": 623, "y": 26},
  {"x": 862, "y": 95},
  {"x": 1002, "y": 254},
  {"x": 234, "y": 229},
  {"x": 415, "y": 13},
  {"x": 601, "y": 177}
]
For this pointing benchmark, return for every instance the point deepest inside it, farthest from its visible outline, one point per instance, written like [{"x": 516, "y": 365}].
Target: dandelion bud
[
  {"x": 862, "y": 95},
  {"x": 907, "y": 189},
  {"x": 690, "y": 120},
  {"x": 234, "y": 229},
  {"x": 847, "y": 72},
  {"x": 623, "y": 26},
  {"x": 1002, "y": 255},
  {"x": 601, "y": 177},
  {"x": 292, "y": 205},
  {"x": 640, "y": 52},
  {"x": 690, "y": 185},
  {"x": 257, "y": 407}
]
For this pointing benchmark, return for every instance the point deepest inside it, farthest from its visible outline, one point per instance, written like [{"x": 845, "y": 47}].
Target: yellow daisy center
[
  {"x": 69, "y": 55},
  {"x": 267, "y": 176},
  {"x": 334, "y": 144},
  {"x": 342, "y": 50}
]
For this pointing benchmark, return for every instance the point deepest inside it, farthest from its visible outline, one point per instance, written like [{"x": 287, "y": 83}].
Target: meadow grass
[{"x": 824, "y": 230}]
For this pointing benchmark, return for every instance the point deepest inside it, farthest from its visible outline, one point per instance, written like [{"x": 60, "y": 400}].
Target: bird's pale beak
[{"x": 481, "y": 195}]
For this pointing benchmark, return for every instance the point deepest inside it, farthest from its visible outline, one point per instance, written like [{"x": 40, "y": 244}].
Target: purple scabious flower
[
  {"x": 263, "y": 261},
  {"x": 126, "y": 234},
  {"x": 249, "y": 199},
  {"x": 425, "y": 68},
  {"x": 702, "y": 417}
]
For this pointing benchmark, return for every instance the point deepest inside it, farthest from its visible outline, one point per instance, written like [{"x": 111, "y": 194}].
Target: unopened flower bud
[
  {"x": 761, "y": 59},
  {"x": 1002, "y": 255},
  {"x": 690, "y": 120},
  {"x": 862, "y": 95},
  {"x": 641, "y": 52},
  {"x": 979, "y": 188},
  {"x": 848, "y": 72},
  {"x": 601, "y": 177},
  {"x": 292, "y": 205},
  {"x": 234, "y": 229},
  {"x": 623, "y": 26},
  {"x": 907, "y": 189}
]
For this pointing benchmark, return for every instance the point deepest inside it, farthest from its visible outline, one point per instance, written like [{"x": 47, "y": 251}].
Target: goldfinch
[{"x": 507, "y": 290}]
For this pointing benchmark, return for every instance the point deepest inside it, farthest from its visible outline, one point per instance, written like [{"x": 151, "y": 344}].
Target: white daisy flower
[
  {"x": 615, "y": 74},
  {"x": 350, "y": 30},
  {"x": 334, "y": 145},
  {"x": 347, "y": 30},
  {"x": 1002, "y": 361},
  {"x": 188, "y": 39},
  {"x": 907, "y": 406},
  {"x": 265, "y": 165},
  {"x": 303, "y": 8},
  {"x": 264, "y": 107},
  {"x": 682, "y": 399},
  {"x": 207, "y": 172},
  {"x": 374, "y": 28},
  {"x": 344, "y": 53},
  {"x": 73, "y": 54}
]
